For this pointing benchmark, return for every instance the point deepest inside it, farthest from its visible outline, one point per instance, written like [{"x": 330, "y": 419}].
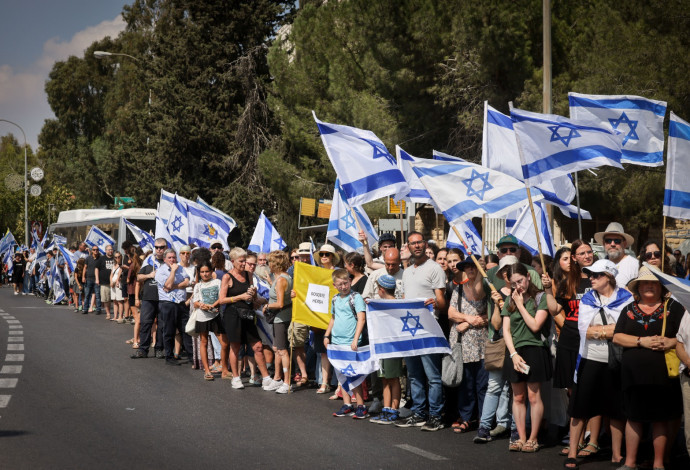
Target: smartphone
[{"x": 525, "y": 369}]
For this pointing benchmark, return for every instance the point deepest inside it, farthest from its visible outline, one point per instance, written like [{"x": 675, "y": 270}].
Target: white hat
[
  {"x": 328, "y": 249},
  {"x": 614, "y": 228},
  {"x": 304, "y": 248},
  {"x": 602, "y": 266},
  {"x": 507, "y": 261}
]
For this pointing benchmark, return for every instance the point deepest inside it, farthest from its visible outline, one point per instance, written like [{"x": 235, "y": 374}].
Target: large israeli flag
[
  {"x": 342, "y": 227},
  {"x": 162, "y": 231},
  {"x": 207, "y": 227},
  {"x": 165, "y": 205},
  {"x": 7, "y": 242},
  {"x": 228, "y": 220},
  {"x": 143, "y": 238},
  {"x": 351, "y": 367},
  {"x": 366, "y": 169},
  {"x": 9, "y": 262},
  {"x": 265, "y": 238},
  {"x": 677, "y": 192},
  {"x": 553, "y": 146},
  {"x": 70, "y": 258},
  {"x": 403, "y": 328},
  {"x": 98, "y": 238},
  {"x": 524, "y": 231},
  {"x": 470, "y": 235},
  {"x": 462, "y": 191},
  {"x": 640, "y": 120},
  {"x": 56, "y": 284},
  {"x": 418, "y": 193},
  {"x": 178, "y": 224},
  {"x": 500, "y": 152},
  {"x": 445, "y": 157}
]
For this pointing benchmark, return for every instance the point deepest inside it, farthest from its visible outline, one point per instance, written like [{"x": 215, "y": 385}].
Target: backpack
[{"x": 351, "y": 301}]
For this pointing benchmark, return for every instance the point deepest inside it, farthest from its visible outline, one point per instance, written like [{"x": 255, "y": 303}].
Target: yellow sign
[
  {"x": 394, "y": 208},
  {"x": 308, "y": 207},
  {"x": 314, "y": 290},
  {"x": 324, "y": 211}
]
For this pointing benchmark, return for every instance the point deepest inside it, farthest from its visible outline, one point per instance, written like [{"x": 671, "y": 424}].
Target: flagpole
[
  {"x": 663, "y": 245},
  {"x": 536, "y": 229},
  {"x": 483, "y": 234},
  {"x": 292, "y": 349},
  {"x": 579, "y": 215},
  {"x": 476, "y": 263}
]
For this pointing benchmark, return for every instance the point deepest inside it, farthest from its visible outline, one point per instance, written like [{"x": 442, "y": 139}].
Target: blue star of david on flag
[
  {"x": 484, "y": 181},
  {"x": 279, "y": 241},
  {"x": 632, "y": 126},
  {"x": 100, "y": 242},
  {"x": 380, "y": 150},
  {"x": 563, "y": 138},
  {"x": 349, "y": 370},
  {"x": 210, "y": 231},
  {"x": 348, "y": 220},
  {"x": 407, "y": 325},
  {"x": 177, "y": 223}
]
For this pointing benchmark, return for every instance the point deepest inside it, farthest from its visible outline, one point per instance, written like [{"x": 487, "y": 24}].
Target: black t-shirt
[
  {"x": 149, "y": 288},
  {"x": 570, "y": 335},
  {"x": 91, "y": 265},
  {"x": 104, "y": 269},
  {"x": 124, "y": 269},
  {"x": 359, "y": 285}
]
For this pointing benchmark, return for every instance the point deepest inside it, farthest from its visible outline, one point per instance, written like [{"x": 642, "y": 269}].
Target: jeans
[
  {"x": 496, "y": 401},
  {"x": 89, "y": 288},
  {"x": 420, "y": 370},
  {"x": 216, "y": 345},
  {"x": 472, "y": 389},
  {"x": 169, "y": 319}
]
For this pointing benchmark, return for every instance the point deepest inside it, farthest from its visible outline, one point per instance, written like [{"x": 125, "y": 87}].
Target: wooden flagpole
[
  {"x": 476, "y": 263},
  {"x": 483, "y": 234}
]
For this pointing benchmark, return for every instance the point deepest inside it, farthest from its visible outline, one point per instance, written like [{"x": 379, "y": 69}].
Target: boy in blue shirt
[{"x": 345, "y": 327}]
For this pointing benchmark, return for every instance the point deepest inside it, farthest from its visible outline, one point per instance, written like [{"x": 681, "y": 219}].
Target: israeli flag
[
  {"x": 7, "y": 241},
  {"x": 524, "y": 231},
  {"x": 403, "y": 328},
  {"x": 228, "y": 220},
  {"x": 639, "y": 120},
  {"x": 470, "y": 235},
  {"x": 142, "y": 237},
  {"x": 500, "y": 152},
  {"x": 70, "y": 258},
  {"x": 312, "y": 249},
  {"x": 342, "y": 228},
  {"x": 678, "y": 287},
  {"x": 445, "y": 157},
  {"x": 9, "y": 262},
  {"x": 56, "y": 284},
  {"x": 207, "y": 227},
  {"x": 351, "y": 367},
  {"x": 162, "y": 231},
  {"x": 465, "y": 190},
  {"x": 677, "y": 192},
  {"x": 265, "y": 238},
  {"x": 418, "y": 193},
  {"x": 553, "y": 146},
  {"x": 98, "y": 238},
  {"x": 265, "y": 329},
  {"x": 34, "y": 239},
  {"x": 367, "y": 171},
  {"x": 178, "y": 224},
  {"x": 165, "y": 205},
  {"x": 59, "y": 239}
]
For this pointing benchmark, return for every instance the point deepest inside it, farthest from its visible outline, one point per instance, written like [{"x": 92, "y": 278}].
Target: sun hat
[
  {"x": 328, "y": 249},
  {"x": 602, "y": 266},
  {"x": 386, "y": 281},
  {"x": 304, "y": 248},
  {"x": 507, "y": 240},
  {"x": 645, "y": 274},
  {"x": 185, "y": 249},
  {"x": 508, "y": 260},
  {"x": 614, "y": 228}
]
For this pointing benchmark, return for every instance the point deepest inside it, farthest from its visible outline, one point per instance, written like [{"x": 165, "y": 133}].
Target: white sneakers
[
  {"x": 284, "y": 388},
  {"x": 273, "y": 385},
  {"x": 237, "y": 383}
]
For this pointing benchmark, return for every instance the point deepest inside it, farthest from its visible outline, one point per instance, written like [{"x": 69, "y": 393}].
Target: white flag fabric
[
  {"x": 445, "y": 157},
  {"x": 553, "y": 146},
  {"x": 7, "y": 242},
  {"x": 207, "y": 227},
  {"x": 178, "y": 224},
  {"x": 98, "y": 238},
  {"x": 228, "y": 220},
  {"x": 677, "y": 191},
  {"x": 500, "y": 152},
  {"x": 679, "y": 287},
  {"x": 351, "y": 367},
  {"x": 524, "y": 231},
  {"x": 162, "y": 231},
  {"x": 640, "y": 120},
  {"x": 403, "y": 328},
  {"x": 9, "y": 262},
  {"x": 342, "y": 228},
  {"x": 366, "y": 169},
  {"x": 165, "y": 205},
  {"x": 70, "y": 258},
  {"x": 418, "y": 193},
  {"x": 144, "y": 240},
  {"x": 56, "y": 284},
  {"x": 265, "y": 329},
  {"x": 464, "y": 190},
  {"x": 470, "y": 235},
  {"x": 265, "y": 238}
]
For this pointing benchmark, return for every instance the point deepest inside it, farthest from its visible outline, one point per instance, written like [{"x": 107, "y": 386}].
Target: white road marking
[
  {"x": 4, "y": 400},
  {"x": 15, "y": 339},
  {"x": 11, "y": 370},
  {"x": 8, "y": 383},
  {"x": 16, "y": 332},
  {"x": 13, "y": 322},
  {"x": 14, "y": 358},
  {"x": 15, "y": 347},
  {"x": 420, "y": 452},
  {"x": 9, "y": 317},
  {"x": 16, "y": 327}
]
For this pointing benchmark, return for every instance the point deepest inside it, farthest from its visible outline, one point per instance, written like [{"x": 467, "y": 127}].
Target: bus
[{"x": 75, "y": 224}]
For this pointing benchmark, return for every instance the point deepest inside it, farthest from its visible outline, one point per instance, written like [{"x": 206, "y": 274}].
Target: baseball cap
[{"x": 602, "y": 266}]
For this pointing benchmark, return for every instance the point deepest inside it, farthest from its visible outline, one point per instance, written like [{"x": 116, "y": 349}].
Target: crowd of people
[{"x": 575, "y": 347}]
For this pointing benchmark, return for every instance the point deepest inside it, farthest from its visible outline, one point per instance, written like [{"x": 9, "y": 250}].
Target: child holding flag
[{"x": 346, "y": 326}]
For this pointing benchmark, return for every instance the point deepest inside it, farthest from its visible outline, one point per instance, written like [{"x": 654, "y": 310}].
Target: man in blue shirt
[{"x": 172, "y": 279}]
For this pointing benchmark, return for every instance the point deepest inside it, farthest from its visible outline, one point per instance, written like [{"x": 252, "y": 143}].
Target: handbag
[
  {"x": 452, "y": 367},
  {"x": 190, "y": 327},
  {"x": 615, "y": 351},
  {"x": 246, "y": 313},
  {"x": 494, "y": 354},
  {"x": 672, "y": 361}
]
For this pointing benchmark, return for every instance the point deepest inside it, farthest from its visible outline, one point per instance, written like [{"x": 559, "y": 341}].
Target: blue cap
[{"x": 386, "y": 281}]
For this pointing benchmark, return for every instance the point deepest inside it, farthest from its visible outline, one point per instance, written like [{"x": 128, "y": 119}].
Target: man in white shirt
[
  {"x": 391, "y": 262},
  {"x": 172, "y": 280},
  {"x": 615, "y": 241}
]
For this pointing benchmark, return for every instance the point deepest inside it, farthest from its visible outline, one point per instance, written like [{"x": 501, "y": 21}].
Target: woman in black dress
[{"x": 18, "y": 273}]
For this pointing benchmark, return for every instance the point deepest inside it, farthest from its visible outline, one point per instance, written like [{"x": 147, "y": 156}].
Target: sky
[{"x": 34, "y": 34}]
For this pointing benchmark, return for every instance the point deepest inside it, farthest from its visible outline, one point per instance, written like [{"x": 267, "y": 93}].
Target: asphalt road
[{"x": 71, "y": 398}]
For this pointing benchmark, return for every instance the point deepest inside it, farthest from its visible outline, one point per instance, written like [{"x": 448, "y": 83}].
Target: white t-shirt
[
  {"x": 598, "y": 349},
  {"x": 371, "y": 290},
  {"x": 191, "y": 272},
  {"x": 206, "y": 292},
  {"x": 683, "y": 336},
  {"x": 627, "y": 270},
  {"x": 419, "y": 282}
]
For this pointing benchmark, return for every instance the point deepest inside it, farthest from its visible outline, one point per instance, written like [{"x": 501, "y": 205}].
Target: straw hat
[
  {"x": 645, "y": 274},
  {"x": 614, "y": 228},
  {"x": 328, "y": 249}
]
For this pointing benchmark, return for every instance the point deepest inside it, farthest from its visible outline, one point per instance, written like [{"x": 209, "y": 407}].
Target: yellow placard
[
  {"x": 308, "y": 207},
  {"x": 324, "y": 211},
  {"x": 314, "y": 290},
  {"x": 394, "y": 208}
]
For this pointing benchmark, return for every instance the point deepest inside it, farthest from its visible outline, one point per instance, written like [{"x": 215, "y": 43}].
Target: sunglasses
[
  {"x": 249, "y": 264},
  {"x": 160, "y": 247},
  {"x": 652, "y": 254},
  {"x": 294, "y": 257},
  {"x": 323, "y": 255},
  {"x": 613, "y": 241},
  {"x": 595, "y": 275},
  {"x": 512, "y": 249}
]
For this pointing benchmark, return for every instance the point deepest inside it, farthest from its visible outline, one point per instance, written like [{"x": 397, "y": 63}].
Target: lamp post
[{"x": 26, "y": 186}]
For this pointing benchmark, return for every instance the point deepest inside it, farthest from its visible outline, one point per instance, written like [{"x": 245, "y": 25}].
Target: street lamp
[{"x": 26, "y": 186}]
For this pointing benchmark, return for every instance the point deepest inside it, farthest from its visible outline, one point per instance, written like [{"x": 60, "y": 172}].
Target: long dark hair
[
  {"x": 558, "y": 274},
  {"x": 568, "y": 289},
  {"x": 667, "y": 261},
  {"x": 532, "y": 291}
]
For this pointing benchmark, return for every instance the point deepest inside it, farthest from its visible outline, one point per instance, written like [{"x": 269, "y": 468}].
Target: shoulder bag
[
  {"x": 672, "y": 361},
  {"x": 452, "y": 364}
]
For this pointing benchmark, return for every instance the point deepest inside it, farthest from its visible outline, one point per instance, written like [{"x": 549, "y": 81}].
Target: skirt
[
  {"x": 536, "y": 357},
  {"x": 597, "y": 392},
  {"x": 214, "y": 325},
  {"x": 654, "y": 403},
  {"x": 564, "y": 371}
]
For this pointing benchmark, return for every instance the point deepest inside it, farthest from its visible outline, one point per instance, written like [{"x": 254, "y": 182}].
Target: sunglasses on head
[
  {"x": 611, "y": 241},
  {"x": 512, "y": 249},
  {"x": 652, "y": 254}
]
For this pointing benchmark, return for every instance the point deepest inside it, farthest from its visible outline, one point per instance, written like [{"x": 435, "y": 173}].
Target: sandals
[
  {"x": 209, "y": 376},
  {"x": 531, "y": 447},
  {"x": 564, "y": 451},
  {"x": 301, "y": 382},
  {"x": 571, "y": 463},
  {"x": 135, "y": 345},
  {"x": 516, "y": 446},
  {"x": 585, "y": 452},
  {"x": 324, "y": 388},
  {"x": 462, "y": 427},
  {"x": 216, "y": 369},
  {"x": 129, "y": 341}
]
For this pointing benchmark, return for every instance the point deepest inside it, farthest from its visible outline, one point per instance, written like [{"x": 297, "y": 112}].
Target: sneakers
[
  {"x": 344, "y": 410},
  {"x": 391, "y": 417},
  {"x": 498, "y": 431},
  {"x": 413, "y": 421},
  {"x": 236, "y": 383},
  {"x": 160, "y": 354},
  {"x": 381, "y": 416},
  {"x": 266, "y": 381},
  {"x": 273, "y": 385},
  {"x": 139, "y": 354},
  {"x": 483, "y": 436},
  {"x": 284, "y": 388},
  {"x": 361, "y": 412},
  {"x": 255, "y": 382},
  {"x": 434, "y": 423}
]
